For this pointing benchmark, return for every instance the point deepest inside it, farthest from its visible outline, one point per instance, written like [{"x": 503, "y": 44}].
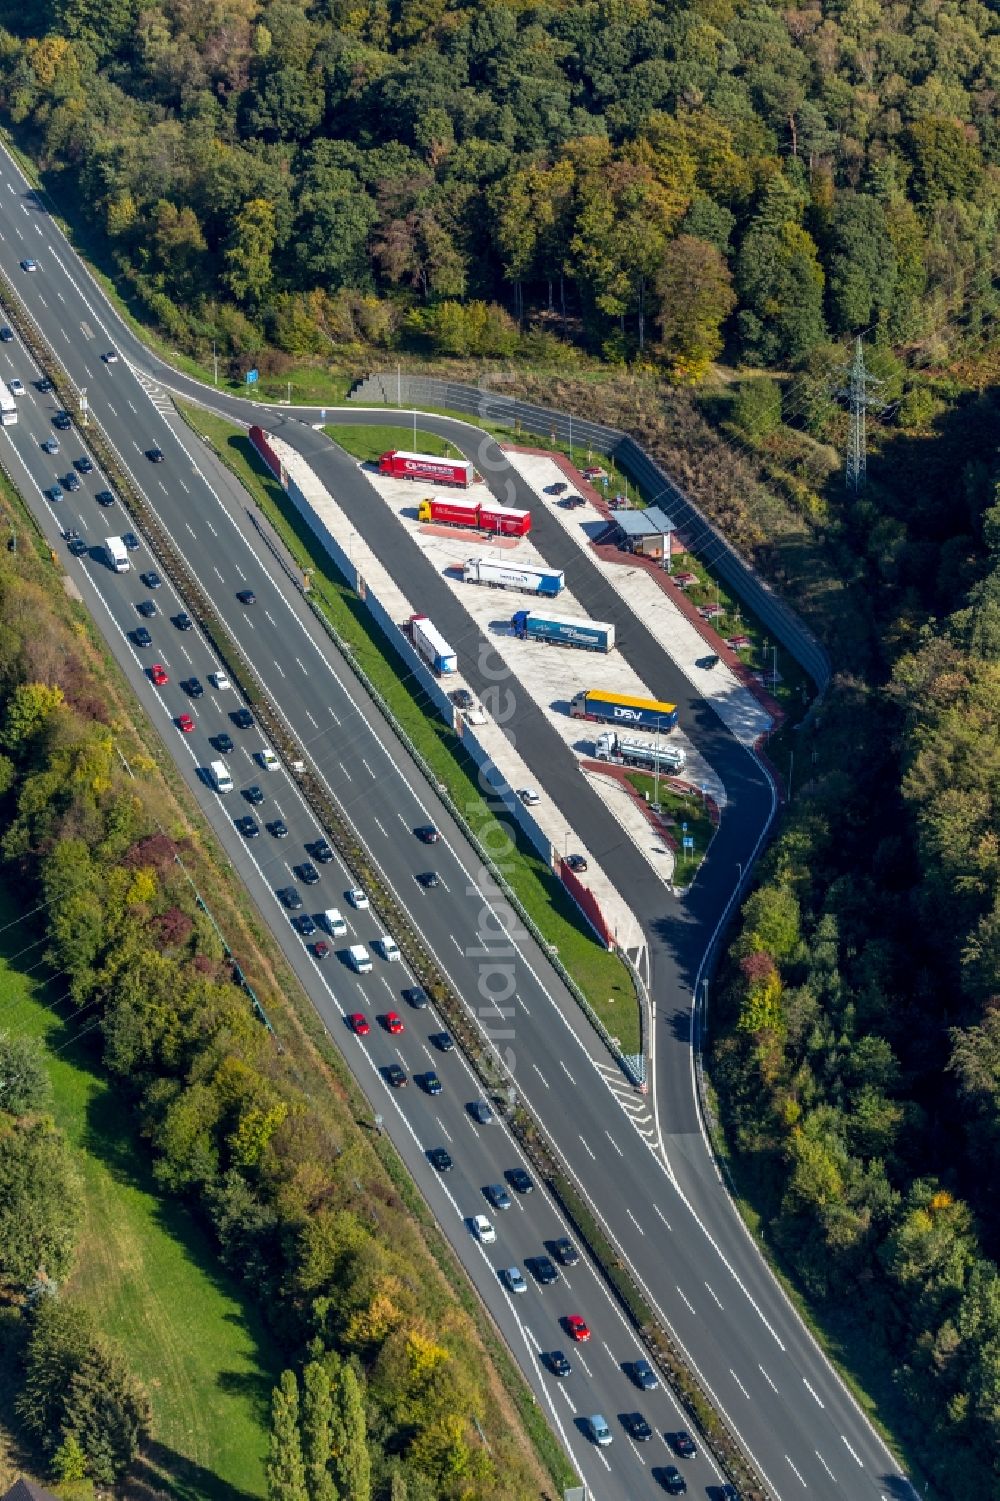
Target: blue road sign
[{"x": 252, "y": 377}]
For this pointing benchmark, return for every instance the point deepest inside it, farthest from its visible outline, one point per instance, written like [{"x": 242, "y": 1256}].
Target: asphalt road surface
[{"x": 670, "y": 1216}]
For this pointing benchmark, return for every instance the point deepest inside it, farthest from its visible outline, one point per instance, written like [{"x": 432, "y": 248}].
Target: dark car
[
  {"x": 321, "y": 949},
  {"x": 443, "y": 1041},
  {"x": 44, "y": 384},
  {"x": 320, "y": 851},
  {"x": 557, "y": 1363},
  {"x": 683, "y": 1444},
  {"x": 644, "y": 1376},
  {"x": 544, "y": 1270},
  {"x": 78, "y": 547},
  {"x": 151, "y": 580},
  {"x": 253, "y": 795},
  {"x": 497, "y": 1195},
  {"x": 147, "y": 609},
  {"x": 6, "y": 334},
  {"x": 429, "y": 879},
  {"x": 194, "y": 688},
  {"x": 430, "y": 1083},
  {"x": 104, "y": 498},
  {"x": 141, "y": 637},
  {"x": 439, "y": 1158},
  {"x": 394, "y": 1075},
  {"x": 154, "y": 455},
  {"x": 183, "y": 621},
  {"x": 62, "y": 420},
  {"x": 559, "y": 488},
  {"x": 519, "y": 1180},
  {"x": 290, "y": 898},
  {"x": 670, "y": 1477},
  {"x": 480, "y": 1111},
  {"x": 223, "y": 744},
  {"x": 72, "y": 482},
  {"x": 564, "y": 1251},
  {"x": 84, "y": 463},
  {"x": 131, "y": 541},
  {"x": 636, "y": 1427},
  {"x": 305, "y": 925},
  {"x": 462, "y": 698},
  {"x": 278, "y": 828},
  {"x": 416, "y": 996},
  {"x": 242, "y": 719},
  {"x": 572, "y": 502},
  {"x": 428, "y": 833},
  {"x": 248, "y": 827},
  {"x": 54, "y": 492},
  {"x": 246, "y": 596},
  {"x": 307, "y": 874},
  {"x": 577, "y": 863}
]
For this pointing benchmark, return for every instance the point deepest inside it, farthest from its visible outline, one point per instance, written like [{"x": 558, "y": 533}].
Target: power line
[{"x": 856, "y": 393}]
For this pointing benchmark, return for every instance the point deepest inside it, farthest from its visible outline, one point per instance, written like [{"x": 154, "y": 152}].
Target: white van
[
  {"x": 359, "y": 958},
  {"x": 267, "y": 759},
  {"x": 387, "y": 947},
  {"x": 334, "y": 923},
  {"x": 219, "y": 773}
]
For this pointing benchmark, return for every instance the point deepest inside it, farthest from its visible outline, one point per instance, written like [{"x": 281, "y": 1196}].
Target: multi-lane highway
[{"x": 668, "y": 1213}]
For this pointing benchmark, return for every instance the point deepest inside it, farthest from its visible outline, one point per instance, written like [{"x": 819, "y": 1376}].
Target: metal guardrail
[{"x": 701, "y": 535}]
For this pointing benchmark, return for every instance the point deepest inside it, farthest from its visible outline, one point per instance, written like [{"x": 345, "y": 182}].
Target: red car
[
  {"x": 158, "y": 673},
  {"x": 359, "y": 1024},
  {"x": 321, "y": 949},
  {"x": 392, "y": 1022},
  {"x": 576, "y": 1328},
  {"x": 185, "y": 723}
]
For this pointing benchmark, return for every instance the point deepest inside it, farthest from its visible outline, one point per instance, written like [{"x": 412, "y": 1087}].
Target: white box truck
[
  {"x": 117, "y": 554},
  {"x": 387, "y": 947},
  {"x": 221, "y": 780},
  {"x": 359, "y": 958},
  {"x": 431, "y": 645},
  {"x": 334, "y": 923}
]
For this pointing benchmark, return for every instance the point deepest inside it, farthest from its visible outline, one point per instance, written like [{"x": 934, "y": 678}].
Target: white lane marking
[
  {"x": 635, "y": 1222},
  {"x": 714, "y": 1295},
  {"x": 115, "y": 414},
  {"x": 444, "y": 1130},
  {"x": 218, "y": 574},
  {"x": 365, "y": 765},
  {"x": 540, "y": 1075},
  {"x": 587, "y": 1150},
  {"x": 767, "y": 1378},
  {"x": 658, "y": 1211},
  {"x": 687, "y": 1301},
  {"x": 190, "y": 528},
  {"x": 132, "y": 406},
  {"x": 211, "y": 527},
  {"x": 567, "y": 1073},
  {"x": 818, "y": 1400},
  {"x": 271, "y": 619},
  {"x": 304, "y": 669},
  {"x": 614, "y": 1143},
  {"x": 827, "y": 1467},
  {"x": 851, "y": 1452},
  {"x": 333, "y": 711},
  {"x": 239, "y": 570},
  {"x": 739, "y": 1383},
  {"x": 796, "y": 1474},
  {"x": 313, "y": 723},
  {"x": 344, "y": 769},
  {"x": 382, "y": 830},
  {"x": 186, "y": 490},
  {"x": 280, "y": 668}
]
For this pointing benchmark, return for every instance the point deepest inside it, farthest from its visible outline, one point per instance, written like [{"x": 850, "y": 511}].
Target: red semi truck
[
  {"x": 502, "y": 521},
  {"x": 402, "y": 465}
]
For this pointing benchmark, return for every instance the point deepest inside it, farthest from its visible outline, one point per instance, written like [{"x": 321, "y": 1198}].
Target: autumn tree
[{"x": 695, "y": 295}]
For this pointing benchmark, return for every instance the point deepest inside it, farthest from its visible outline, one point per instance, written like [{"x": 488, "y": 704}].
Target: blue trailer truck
[
  {"x": 624, "y": 710},
  {"x": 559, "y": 630}
]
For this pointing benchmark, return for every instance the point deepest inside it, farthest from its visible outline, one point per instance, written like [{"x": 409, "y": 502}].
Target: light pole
[
  {"x": 774, "y": 674},
  {"x": 289, "y": 393},
  {"x": 215, "y": 364}
]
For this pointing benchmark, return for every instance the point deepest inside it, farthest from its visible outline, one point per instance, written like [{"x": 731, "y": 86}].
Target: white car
[
  {"x": 268, "y": 759},
  {"x": 528, "y": 796},
  {"x": 513, "y": 1279},
  {"x": 111, "y": 358},
  {"x": 16, "y": 387},
  {"x": 475, "y": 715},
  {"x": 387, "y": 947},
  {"x": 357, "y": 899},
  {"x": 219, "y": 680},
  {"x": 599, "y": 1430},
  {"x": 483, "y": 1229},
  {"x": 29, "y": 265}
]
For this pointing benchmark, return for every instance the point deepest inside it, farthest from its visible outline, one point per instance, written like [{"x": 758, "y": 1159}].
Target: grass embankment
[
  {"x": 600, "y": 975},
  {"x": 146, "y": 1271},
  {"x": 369, "y": 443}
]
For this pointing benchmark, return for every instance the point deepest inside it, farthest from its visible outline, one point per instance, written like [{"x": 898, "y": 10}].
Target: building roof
[
  {"x": 652, "y": 522},
  {"x": 27, "y": 1490}
]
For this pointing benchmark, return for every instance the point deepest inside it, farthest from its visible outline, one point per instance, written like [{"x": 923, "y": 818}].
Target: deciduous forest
[{"x": 647, "y": 179}]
